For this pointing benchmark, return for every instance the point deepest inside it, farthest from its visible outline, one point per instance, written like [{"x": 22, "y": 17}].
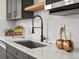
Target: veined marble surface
[{"x": 48, "y": 52}]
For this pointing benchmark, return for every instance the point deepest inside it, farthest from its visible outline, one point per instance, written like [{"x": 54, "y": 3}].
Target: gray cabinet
[
  {"x": 12, "y": 9},
  {"x": 15, "y": 9},
  {"x": 9, "y": 56},
  {"x": 30, "y": 57},
  {"x": 24, "y": 56},
  {"x": 12, "y": 50},
  {"x": 2, "y": 53},
  {"x": 9, "y": 5},
  {"x": 2, "y": 50},
  {"x": 19, "y": 54},
  {"x": 13, "y": 53}
]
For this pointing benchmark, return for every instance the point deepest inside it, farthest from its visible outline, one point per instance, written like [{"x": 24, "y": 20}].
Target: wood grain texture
[{"x": 35, "y": 7}]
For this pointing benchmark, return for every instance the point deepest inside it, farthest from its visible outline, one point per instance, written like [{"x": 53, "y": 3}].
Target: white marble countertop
[{"x": 48, "y": 52}]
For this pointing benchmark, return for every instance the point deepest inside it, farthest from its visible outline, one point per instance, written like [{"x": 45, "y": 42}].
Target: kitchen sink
[{"x": 31, "y": 44}]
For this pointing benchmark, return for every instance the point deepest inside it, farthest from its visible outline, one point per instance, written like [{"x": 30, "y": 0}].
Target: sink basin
[{"x": 30, "y": 44}]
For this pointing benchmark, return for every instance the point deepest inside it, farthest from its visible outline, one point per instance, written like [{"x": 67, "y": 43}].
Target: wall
[
  {"x": 55, "y": 22},
  {"x": 4, "y": 24},
  {"x": 27, "y": 24},
  {"x": 52, "y": 24}
]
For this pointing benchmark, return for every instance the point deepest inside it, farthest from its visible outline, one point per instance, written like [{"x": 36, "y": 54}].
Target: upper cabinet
[
  {"x": 62, "y": 7},
  {"x": 15, "y": 9}
]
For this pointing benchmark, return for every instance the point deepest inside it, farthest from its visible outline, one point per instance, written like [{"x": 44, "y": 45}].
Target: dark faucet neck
[{"x": 41, "y": 26}]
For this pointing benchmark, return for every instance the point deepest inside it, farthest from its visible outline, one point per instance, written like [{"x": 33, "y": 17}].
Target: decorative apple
[
  {"x": 68, "y": 45},
  {"x": 59, "y": 42}
]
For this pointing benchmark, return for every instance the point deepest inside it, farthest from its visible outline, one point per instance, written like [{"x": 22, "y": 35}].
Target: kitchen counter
[{"x": 48, "y": 52}]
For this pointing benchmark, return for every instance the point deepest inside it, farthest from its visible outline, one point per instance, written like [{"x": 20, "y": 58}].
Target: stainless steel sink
[{"x": 30, "y": 44}]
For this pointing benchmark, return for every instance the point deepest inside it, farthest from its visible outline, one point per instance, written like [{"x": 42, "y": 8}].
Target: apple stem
[
  {"x": 60, "y": 35},
  {"x": 65, "y": 32},
  {"x": 70, "y": 35}
]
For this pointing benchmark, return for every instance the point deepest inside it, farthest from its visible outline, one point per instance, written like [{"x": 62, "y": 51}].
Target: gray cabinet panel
[
  {"x": 15, "y": 9},
  {"x": 9, "y": 8},
  {"x": 24, "y": 56},
  {"x": 13, "y": 53},
  {"x": 12, "y": 50},
  {"x": 30, "y": 57},
  {"x": 19, "y": 55},
  {"x": 10, "y": 56},
  {"x": 2, "y": 53},
  {"x": 12, "y": 8}
]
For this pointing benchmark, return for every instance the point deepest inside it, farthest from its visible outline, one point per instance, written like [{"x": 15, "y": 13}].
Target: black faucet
[{"x": 42, "y": 37}]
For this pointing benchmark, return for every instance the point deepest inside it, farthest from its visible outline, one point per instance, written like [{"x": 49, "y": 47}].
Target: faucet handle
[
  {"x": 44, "y": 38},
  {"x": 32, "y": 29}
]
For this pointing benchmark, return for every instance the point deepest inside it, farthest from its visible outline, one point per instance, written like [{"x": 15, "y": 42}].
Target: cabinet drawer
[
  {"x": 12, "y": 50},
  {"x": 19, "y": 54},
  {"x": 10, "y": 56},
  {"x": 25, "y": 56},
  {"x": 15, "y": 52},
  {"x": 30, "y": 57}
]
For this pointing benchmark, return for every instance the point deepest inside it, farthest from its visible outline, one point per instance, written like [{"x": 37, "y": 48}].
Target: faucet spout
[{"x": 42, "y": 37}]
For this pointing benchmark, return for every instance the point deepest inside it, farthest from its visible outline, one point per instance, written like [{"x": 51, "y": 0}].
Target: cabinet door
[
  {"x": 9, "y": 8},
  {"x": 11, "y": 50},
  {"x": 30, "y": 57},
  {"x": 19, "y": 54},
  {"x": 10, "y": 56},
  {"x": 24, "y": 56},
  {"x": 14, "y": 8},
  {"x": 2, "y": 53},
  {"x": 19, "y": 9},
  {"x": 26, "y": 14}
]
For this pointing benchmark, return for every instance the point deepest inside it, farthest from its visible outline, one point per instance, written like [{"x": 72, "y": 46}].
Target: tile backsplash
[
  {"x": 52, "y": 24},
  {"x": 26, "y": 23},
  {"x": 55, "y": 22}
]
